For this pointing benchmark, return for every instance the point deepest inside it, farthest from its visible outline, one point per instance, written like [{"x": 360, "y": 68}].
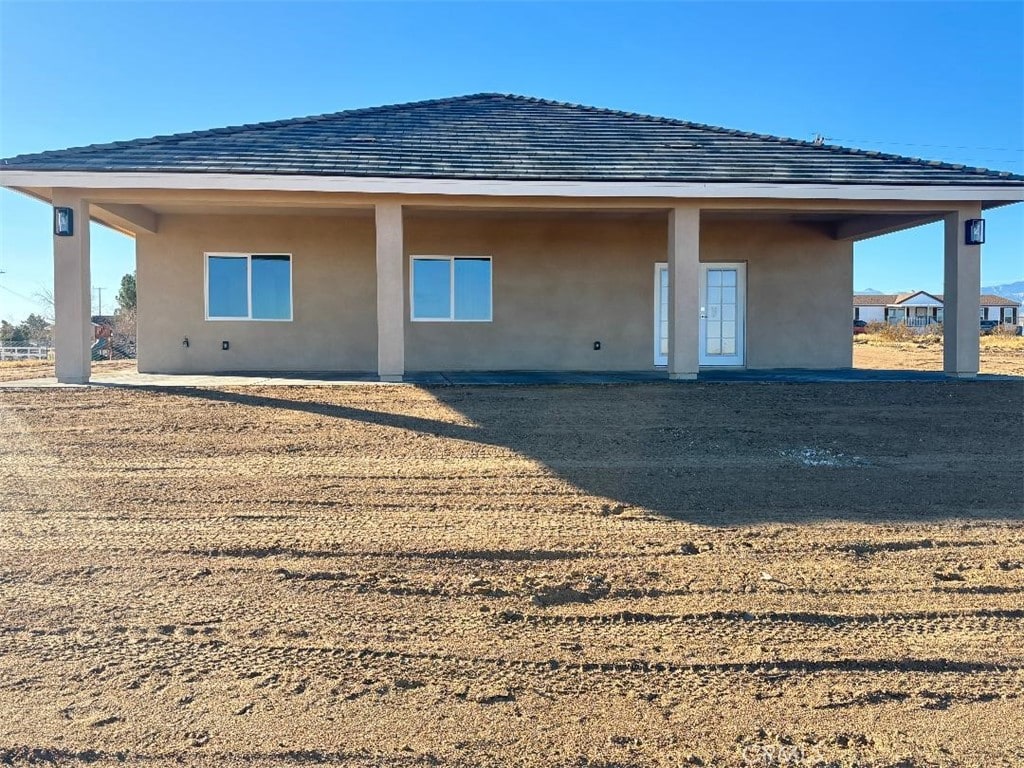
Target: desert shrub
[
  {"x": 895, "y": 332},
  {"x": 930, "y": 334},
  {"x": 1004, "y": 329}
]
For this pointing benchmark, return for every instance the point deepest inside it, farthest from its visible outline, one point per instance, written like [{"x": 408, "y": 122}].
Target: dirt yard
[
  {"x": 17, "y": 370},
  {"x": 999, "y": 354},
  {"x": 643, "y": 575}
]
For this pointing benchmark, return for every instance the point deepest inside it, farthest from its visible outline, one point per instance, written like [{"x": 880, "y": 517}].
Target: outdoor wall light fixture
[
  {"x": 63, "y": 222},
  {"x": 974, "y": 232}
]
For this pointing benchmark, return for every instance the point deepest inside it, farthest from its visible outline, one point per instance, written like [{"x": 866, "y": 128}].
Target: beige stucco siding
[
  {"x": 334, "y": 324},
  {"x": 799, "y": 283},
  {"x": 560, "y": 283}
]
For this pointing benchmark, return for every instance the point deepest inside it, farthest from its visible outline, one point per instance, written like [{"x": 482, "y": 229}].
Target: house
[
  {"x": 496, "y": 232},
  {"x": 102, "y": 326},
  {"x": 920, "y": 308}
]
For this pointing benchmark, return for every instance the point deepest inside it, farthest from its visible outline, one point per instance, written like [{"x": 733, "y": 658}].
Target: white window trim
[
  {"x": 248, "y": 272},
  {"x": 451, "y": 289}
]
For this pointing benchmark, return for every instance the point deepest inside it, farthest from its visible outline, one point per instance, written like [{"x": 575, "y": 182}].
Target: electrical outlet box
[
  {"x": 597, "y": 346},
  {"x": 225, "y": 345}
]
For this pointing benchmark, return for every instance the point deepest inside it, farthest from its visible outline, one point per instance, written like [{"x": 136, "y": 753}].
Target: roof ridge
[{"x": 335, "y": 122}]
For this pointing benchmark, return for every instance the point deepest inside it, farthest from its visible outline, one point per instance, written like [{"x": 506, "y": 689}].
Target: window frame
[
  {"x": 451, "y": 288},
  {"x": 207, "y": 255}
]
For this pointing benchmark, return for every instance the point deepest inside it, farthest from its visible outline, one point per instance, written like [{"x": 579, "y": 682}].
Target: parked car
[
  {"x": 860, "y": 326},
  {"x": 987, "y": 326}
]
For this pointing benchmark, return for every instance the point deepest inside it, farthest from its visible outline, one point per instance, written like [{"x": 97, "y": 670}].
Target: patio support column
[
  {"x": 390, "y": 293},
  {"x": 684, "y": 293},
  {"x": 962, "y": 299},
  {"x": 72, "y": 293}
]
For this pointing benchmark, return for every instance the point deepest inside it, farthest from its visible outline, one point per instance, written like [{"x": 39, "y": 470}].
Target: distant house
[
  {"x": 919, "y": 308},
  {"x": 108, "y": 341},
  {"x": 102, "y": 326}
]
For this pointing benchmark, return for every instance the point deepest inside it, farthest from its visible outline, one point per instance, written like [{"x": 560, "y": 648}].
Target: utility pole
[{"x": 99, "y": 301}]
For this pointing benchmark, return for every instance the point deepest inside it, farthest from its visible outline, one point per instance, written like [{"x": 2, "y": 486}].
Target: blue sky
[{"x": 936, "y": 80}]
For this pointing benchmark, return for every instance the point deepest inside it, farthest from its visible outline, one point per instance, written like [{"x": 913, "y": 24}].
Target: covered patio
[
  {"x": 130, "y": 378},
  {"x": 671, "y": 248}
]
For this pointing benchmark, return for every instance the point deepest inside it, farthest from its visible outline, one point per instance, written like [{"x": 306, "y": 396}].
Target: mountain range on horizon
[{"x": 1013, "y": 291}]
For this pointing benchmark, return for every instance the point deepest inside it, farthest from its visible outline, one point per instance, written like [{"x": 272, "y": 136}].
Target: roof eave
[{"x": 990, "y": 195}]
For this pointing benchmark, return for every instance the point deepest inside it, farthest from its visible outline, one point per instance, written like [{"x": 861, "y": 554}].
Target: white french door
[
  {"x": 723, "y": 302},
  {"x": 723, "y": 299},
  {"x": 661, "y": 314}
]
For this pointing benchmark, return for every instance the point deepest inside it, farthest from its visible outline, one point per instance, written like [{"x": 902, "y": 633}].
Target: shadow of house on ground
[{"x": 720, "y": 455}]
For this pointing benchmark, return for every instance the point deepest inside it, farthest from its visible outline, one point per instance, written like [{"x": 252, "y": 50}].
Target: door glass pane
[
  {"x": 663, "y": 313},
  {"x": 227, "y": 286},
  {"x": 721, "y": 313},
  {"x": 431, "y": 289},
  {"x": 472, "y": 289},
  {"x": 271, "y": 287}
]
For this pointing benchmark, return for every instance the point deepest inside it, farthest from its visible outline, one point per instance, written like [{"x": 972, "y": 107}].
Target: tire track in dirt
[{"x": 603, "y": 576}]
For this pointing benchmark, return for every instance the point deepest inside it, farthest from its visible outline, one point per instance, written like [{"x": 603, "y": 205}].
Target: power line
[{"x": 15, "y": 293}]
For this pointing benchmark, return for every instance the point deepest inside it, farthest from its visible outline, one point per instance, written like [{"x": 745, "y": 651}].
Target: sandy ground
[
  {"x": 640, "y": 575},
  {"x": 36, "y": 369},
  {"x": 1002, "y": 355}
]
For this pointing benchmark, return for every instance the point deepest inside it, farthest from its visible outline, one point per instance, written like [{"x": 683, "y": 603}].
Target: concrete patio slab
[{"x": 492, "y": 378}]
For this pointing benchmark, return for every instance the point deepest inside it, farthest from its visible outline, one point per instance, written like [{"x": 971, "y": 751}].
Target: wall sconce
[
  {"x": 63, "y": 222},
  {"x": 974, "y": 232}
]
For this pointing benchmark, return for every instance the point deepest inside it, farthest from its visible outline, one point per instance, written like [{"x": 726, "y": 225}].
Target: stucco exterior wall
[
  {"x": 799, "y": 283},
  {"x": 560, "y": 283},
  {"x": 334, "y": 325}
]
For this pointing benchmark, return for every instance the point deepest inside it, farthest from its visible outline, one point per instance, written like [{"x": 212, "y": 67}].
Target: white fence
[{"x": 26, "y": 353}]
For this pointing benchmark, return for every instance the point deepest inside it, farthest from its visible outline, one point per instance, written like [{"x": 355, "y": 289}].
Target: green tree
[
  {"x": 37, "y": 330},
  {"x": 12, "y": 335},
  {"x": 126, "y": 296}
]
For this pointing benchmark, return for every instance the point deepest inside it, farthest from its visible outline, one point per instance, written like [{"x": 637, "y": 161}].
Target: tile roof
[
  {"x": 991, "y": 300},
  {"x": 497, "y": 136},
  {"x": 888, "y": 299},
  {"x": 874, "y": 299}
]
